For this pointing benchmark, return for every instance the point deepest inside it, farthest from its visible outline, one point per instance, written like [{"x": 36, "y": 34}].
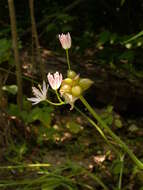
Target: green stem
[
  {"x": 60, "y": 100},
  {"x": 24, "y": 166},
  {"x": 98, "y": 129},
  {"x": 113, "y": 135},
  {"x": 68, "y": 61},
  {"x": 121, "y": 172},
  {"x": 98, "y": 180},
  {"x": 54, "y": 104}
]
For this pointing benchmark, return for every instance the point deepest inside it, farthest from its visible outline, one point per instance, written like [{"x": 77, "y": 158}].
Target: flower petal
[
  {"x": 40, "y": 94},
  {"x": 55, "y": 80},
  {"x": 65, "y": 40},
  {"x": 34, "y": 100}
]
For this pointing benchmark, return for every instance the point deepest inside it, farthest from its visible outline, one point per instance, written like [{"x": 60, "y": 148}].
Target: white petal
[
  {"x": 34, "y": 100},
  {"x": 45, "y": 89},
  {"x": 36, "y": 92}
]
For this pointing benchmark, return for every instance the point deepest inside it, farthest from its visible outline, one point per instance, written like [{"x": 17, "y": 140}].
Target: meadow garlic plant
[{"x": 69, "y": 90}]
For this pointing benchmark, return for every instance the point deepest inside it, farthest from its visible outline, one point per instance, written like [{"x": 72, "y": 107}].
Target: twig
[
  {"x": 35, "y": 38},
  {"x": 24, "y": 77},
  {"x": 16, "y": 53}
]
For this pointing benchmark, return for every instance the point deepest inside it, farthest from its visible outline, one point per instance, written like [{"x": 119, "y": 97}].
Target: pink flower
[
  {"x": 65, "y": 40},
  {"x": 40, "y": 94},
  {"x": 55, "y": 80}
]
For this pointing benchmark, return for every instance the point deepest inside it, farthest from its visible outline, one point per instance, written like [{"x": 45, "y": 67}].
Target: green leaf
[
  {"x": 50, "y": 27},
  {"x": 128, "y": 55},
  {"x": 14, "y": 110},
  {"x": 107, "y": 117},
  {"x": 41, "y": 114},
  {"x": 5, "y": 45},
  {"x": 24, "y": 115},
  {"x": 74, "y": 127},
  {"x": 118, "y": 123},
  {"x": 104, "y": 37},
  {"x": 65, "y": 17},
  {"x": 45, "y": 118},
  {"x": 122, "y": 2},
  {"x": 5, "y": 50},
  {"x": 34, "y": 115},
  {"x": 109, "y": 109},
  {"x": 117, "y": 167},
  {"x": 113, "y": 38},
  {"x": 109, "y": 120},
  {"x": 11, "y": 89}
]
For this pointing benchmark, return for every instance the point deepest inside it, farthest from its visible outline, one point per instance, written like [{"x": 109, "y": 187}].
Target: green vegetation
[{"x": 84, "y": 129}]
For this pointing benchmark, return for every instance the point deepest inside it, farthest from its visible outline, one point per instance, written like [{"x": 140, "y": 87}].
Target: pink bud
[
  {"x": 65, "y": 40},
  {"x": 55, "y": 80}
]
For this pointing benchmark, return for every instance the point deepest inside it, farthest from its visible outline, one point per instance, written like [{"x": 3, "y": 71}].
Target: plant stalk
[
  {"x": 99, "y": 130},
  {"x": 16, "y": 53},
  {"x": 25, "y": 166},
  {"x": 68, "y": 61},
  {"x": 112, "y": 134},
  {"x": 55, "y": 104},
  {"x": 35, "y": 39},
  {"x": 58, "y": 96},
  {"x": 121, "y": 171}
]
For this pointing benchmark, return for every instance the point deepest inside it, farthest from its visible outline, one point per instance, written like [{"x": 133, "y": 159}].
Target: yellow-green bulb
[
  {"x": 65, "y": 88},
  {"x": 68, "y": 81},
  {"x": 85, "y": 83},
  {"x": 76, "y": 80},
  {"x": 76, "y": 90},
  {"x": 71, "y": 74}
]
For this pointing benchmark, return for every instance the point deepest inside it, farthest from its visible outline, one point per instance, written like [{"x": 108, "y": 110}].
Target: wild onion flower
[
  {"x": 69, "y": 99},
  {"x": 40, "y": 94},
  {"x": 73, "y": 87},
  {"x": 55, "y": 80},
  {"x": 65, "y": 40}
]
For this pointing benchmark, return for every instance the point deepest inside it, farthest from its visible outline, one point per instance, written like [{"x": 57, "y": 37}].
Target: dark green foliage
[
  {"x": 29, "y": 116},
  {"x": 5, "y": 51}
]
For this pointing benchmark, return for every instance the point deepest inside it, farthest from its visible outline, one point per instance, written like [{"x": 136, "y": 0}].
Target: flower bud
[
  {"x": 76, "y": 91},
  {"x": 85, "y": 83},
  {"x": 65, "y": 89},
  {"x": 76, "y": 80},
  {"x": 55, "y": 80},
  {"x": 71, "y": 74},
  {"x": 68, "y": 81},
  {"x": 65, "y": 40}
]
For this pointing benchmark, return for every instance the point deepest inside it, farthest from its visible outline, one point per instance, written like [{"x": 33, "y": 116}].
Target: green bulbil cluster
[{"x": 73, "y": 87}]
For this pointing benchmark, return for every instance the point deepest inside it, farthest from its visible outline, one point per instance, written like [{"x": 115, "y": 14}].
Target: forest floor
[{"x": 77, "y": 155}]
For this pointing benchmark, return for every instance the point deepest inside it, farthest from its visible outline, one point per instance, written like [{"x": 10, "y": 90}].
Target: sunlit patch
[
  {"x": 99, "y": 158},
  {"x": 66, "y": 136}
]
